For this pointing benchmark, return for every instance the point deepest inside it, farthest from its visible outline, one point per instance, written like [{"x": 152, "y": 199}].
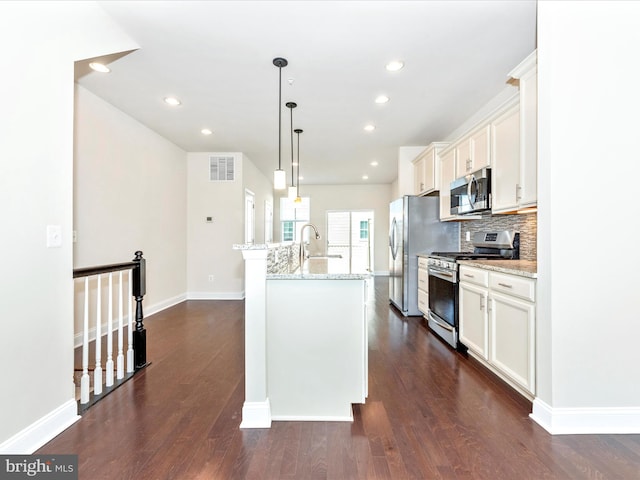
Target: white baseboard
[
  {"x": 256, "y": 415},
  {"x": 41, "y": 431},
  {"x": 569, "y": 421},
  {"x": 311, "y": 418},
  {"x": 158, "y": 307},
  {"x": 215, "y": 295}
]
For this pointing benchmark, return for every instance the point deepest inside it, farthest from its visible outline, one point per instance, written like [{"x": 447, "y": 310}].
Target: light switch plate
[{"x": 54, "y": 236}]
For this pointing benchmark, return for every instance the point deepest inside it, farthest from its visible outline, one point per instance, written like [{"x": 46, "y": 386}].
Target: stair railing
[{"x": 136, "y": 357}]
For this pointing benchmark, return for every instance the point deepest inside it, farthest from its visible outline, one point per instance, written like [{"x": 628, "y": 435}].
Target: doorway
[
  {"x": 350, "y": 235},
  {"x": 249, "y": 216}
]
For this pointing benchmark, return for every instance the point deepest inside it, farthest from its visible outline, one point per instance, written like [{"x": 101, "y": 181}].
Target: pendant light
[
  {"x": 298, "y": 199},
  {"x": 279, "y": 176},
  {"x": 293, "y": 192}
]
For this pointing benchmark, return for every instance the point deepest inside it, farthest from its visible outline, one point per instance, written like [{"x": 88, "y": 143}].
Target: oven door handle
[
  {"x": 446, "y": 326},
  {"x": 443, "y": 275}
]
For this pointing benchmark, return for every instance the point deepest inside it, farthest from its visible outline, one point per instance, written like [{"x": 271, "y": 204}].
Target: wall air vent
[{"x": 222, "y": 169}]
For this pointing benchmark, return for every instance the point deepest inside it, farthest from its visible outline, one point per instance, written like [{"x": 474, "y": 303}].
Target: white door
[
  {"x": 268, "y": 221},
  {"x": 249, "y": 217},
  {"x": 350, "y": 235}
]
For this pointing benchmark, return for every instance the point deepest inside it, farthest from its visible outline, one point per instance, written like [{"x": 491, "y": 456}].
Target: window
[
  {"x": 292, "y": 217},
  {"x": 364, "y": 229},
  {"x": 287, "y": 231}
]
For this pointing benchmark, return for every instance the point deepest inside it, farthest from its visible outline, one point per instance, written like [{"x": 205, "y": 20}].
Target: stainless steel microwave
[{"x": 471, "y": 193}]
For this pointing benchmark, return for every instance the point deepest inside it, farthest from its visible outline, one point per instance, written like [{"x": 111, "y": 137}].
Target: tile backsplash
[{"x": 526, "y": 224}]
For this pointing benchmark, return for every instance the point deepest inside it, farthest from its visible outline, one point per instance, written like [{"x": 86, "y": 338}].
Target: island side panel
[{"x": 316, "y": 348}]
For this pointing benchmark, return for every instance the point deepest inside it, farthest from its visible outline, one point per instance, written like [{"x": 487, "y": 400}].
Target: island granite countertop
[{"x": 320, "y": 269}]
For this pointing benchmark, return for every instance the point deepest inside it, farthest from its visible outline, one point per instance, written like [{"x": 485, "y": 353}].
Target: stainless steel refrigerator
[{"x": 414, "y": 227}]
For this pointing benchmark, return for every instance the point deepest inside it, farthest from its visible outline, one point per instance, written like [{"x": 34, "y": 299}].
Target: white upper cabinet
[
  {"x": 427, "y": 169},
  {"x": 447, "y": 175},
  {"x": 474, "y": 151},
  {"x": 418, "y": 175},
  {"x": 514, "y": 146},
  {"x": 505, "y": 176}
]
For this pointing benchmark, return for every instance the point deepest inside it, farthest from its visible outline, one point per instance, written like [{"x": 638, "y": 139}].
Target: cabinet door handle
[
  {"x": 518, "y": 191},
  {"x": 505, "y": 285},
  {"x": 481, "y": 303}
]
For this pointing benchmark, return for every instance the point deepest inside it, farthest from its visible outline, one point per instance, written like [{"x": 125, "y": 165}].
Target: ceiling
[{"x": 217, "y": 58}]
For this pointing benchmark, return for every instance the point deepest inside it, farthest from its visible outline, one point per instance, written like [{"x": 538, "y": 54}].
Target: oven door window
[{"x": 443, "y": 297}]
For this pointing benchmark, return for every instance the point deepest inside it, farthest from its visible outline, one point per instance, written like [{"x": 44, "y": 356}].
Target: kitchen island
[{"x": 305, "y": 340}]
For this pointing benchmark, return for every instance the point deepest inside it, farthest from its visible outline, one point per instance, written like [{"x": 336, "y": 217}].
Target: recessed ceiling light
[
  {"x": 395, "y": 65},
  {"x": 206, "y": 131},
  {"x": 369, "y": 128},
  {"x": 382, "y": 99},
  {"x": 374, "y": 164},
  {"x": 173, "y": 101},
  {"x": 99, "y": 67},
  {"x": 365, "y": 177}
]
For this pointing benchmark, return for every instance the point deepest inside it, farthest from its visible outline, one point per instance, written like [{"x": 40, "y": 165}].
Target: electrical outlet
[
  {"x": 211, "y": 278},
  {"x": 468, "y": 236}
]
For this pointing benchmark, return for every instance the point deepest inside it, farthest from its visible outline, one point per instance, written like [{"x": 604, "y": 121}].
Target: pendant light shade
[
  {"x": 293, "y": 191},
  {"x": 279, "y": 176},
  {"x": 279, "y": 179},
  {"x": 298, "y": 199}
]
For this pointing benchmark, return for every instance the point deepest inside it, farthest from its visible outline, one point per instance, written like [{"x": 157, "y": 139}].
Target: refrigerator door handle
[{"x": 392, "y": 239}]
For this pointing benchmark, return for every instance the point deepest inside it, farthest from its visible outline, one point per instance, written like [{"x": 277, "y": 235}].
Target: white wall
[
  {"x": 40, "y": 43},
  {"x": 254, "y": 180},
  {"x": 210, "y": 244},
  {"x": 588, "y": 317},
  {"x": 352, "y": 197},
  {"x": 129, "y": 194}
]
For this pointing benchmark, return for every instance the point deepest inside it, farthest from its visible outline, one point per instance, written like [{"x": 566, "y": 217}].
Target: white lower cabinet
[
  {"x": 474, "y": 331},
  {"x": 423, "y": 285},
  {"x": 497, "y": 323}
]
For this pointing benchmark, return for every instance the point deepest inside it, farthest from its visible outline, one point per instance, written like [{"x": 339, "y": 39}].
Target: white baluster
[
  {"x": 130, "y": 365},
  {"x": 109, "y": 364},
  {"x": 84, "y": 380},
  {"x": 97, "y": 373},
  {"x": 120, "y": 359}
]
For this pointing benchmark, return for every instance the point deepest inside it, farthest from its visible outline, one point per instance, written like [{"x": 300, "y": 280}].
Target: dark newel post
[{"x": 139, "y": 290}]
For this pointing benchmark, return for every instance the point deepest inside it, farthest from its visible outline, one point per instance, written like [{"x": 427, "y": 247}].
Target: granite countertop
[
  {"x": 320, "y": 269},
  {"x": 524, "y": 268}
]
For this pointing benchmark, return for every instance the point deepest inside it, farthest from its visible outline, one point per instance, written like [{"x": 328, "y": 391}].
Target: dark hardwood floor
[{"x": 430, "y": 414}]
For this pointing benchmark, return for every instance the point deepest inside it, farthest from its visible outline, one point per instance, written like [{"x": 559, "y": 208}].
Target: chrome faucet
[{"x": 302, "y": 241}]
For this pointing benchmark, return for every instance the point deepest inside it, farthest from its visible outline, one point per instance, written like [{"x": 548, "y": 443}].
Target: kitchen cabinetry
[
  {"x": 473, "y": 152},
  {"x": 505, "y": 177},
  {"x": 426, "y": 168},
  {"x": 497, "y": 323},
  {"x": 447, "y": 175},
  {"x": 515, "y": 163},
  {"x": 473, "y": 301},
  {"x": 423, "y": 285}
]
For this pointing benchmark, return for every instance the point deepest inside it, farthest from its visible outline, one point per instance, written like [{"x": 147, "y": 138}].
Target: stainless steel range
[{"x": 443, "y": 278}]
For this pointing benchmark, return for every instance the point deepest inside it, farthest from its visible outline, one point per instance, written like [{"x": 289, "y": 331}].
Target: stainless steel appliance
[
  {"x": 414, "y": 227},
  {"x": 443, "y": 279},
  {"x": 471, "y": 193}
]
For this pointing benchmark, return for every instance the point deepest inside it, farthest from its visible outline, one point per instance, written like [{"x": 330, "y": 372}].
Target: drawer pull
[
  {"x": 505, "y": 285},
  {"x": 470, "y": 276}
]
